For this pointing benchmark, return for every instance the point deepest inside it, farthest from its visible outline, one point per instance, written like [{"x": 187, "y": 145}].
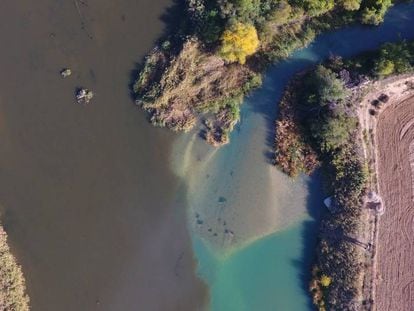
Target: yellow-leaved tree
[
  {"x": 325, "y": 280},
  {"x": 238, "y": 42}
]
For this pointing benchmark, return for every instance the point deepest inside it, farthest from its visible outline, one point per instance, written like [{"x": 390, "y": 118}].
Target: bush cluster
[
  {"x": 328, "y": 120},
  {"x": 394, "y": 58},
  {"x": 375, "y": 10}
]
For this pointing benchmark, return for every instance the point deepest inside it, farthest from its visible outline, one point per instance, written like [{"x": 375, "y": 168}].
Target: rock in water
[
  {"x": 83, "y": 96},
  {"x": 66, "y": 72}
]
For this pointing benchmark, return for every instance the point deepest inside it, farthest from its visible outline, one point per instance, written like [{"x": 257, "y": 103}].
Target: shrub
[
  {"x": 281, "y": 13},
  {"x": 288, "y": 40},
  {"x": 375, "y": 11},
  {"x": 332, "y": 132},
  {"x": 210, "y": 29},
  {"x": 318, "y": 7},
  {"x": 351, "y": 5},
  {"x": 238, "y": 42},
  {"x": 205, "y": 20},
  {"x": 394, "y": 58},
  {"x": 385, "y": 67},
  {"x": 246, "y": 11}
]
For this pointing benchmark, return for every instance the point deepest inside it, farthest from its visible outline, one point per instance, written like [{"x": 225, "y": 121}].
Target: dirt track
[{"x": 395, "y": 253}]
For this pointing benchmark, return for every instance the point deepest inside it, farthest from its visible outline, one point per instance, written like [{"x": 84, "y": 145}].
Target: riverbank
[
  {"x": 13, "y": 295},
  {"x": 201, "y": 74},
  {"x": 337, "y": 275},
  {"x": 323, "y": 116}
]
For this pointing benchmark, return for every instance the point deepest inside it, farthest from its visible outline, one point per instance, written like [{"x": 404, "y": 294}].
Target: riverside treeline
[
  {"x": 318, "y": 125},
  {"x": 204, "y": 68}
]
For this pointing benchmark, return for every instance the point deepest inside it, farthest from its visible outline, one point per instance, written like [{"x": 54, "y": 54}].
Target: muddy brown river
[{"x": 86, "y": 191}]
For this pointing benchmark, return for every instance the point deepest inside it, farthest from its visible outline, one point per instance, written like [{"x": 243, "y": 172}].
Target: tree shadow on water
[
  {"x": 309, "y": 234},
  {"x": 175, "y": 29},
  {"x": 265, "y": 100}
]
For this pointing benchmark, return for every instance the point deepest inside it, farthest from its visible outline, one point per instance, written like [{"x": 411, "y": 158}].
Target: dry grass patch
[
  {"x": 178, "y": 90},
  {"x": 13, "y": 295}
]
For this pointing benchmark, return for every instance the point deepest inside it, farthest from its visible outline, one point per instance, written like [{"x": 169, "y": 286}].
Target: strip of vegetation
[
  {"x": 13, "y": 295},
  {"x": 318, "y": 120},
  {"x": 216, "y": 57}
]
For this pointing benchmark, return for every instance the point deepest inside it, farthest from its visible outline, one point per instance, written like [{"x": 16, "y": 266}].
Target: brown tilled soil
[{"x": 395, "y": 137}]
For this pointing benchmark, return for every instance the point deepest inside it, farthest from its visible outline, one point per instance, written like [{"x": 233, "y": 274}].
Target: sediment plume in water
[{"x": 234, "y": 196}]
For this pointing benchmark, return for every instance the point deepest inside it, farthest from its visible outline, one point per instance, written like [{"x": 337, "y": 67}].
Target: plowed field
[{"x": 395, "y": 137}]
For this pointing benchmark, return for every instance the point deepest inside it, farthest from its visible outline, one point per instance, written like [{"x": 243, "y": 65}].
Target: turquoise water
[
  {"x": 264, "y": 265},
  {"x": 257, "y": 277},
  {"x": 267, "y": 274}
]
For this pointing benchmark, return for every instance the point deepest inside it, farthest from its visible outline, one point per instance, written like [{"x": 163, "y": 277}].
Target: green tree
[
  {"x": 245, "y": 11},
  {"x": 332, "y": 132},
  {"x": 281, "y": 13},
  {"x": 327, "y": 88},
  {"x": 375, "y": 11},
  {"x": 394, "y": 58},
  {"x": 318, "y": 7}
]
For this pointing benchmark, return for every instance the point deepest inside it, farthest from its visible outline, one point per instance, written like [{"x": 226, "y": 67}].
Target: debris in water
[
  {"x": 66, "y": 72},
  {"x": 83, "y": 96},
  {"x": 222, "y": 200}
]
